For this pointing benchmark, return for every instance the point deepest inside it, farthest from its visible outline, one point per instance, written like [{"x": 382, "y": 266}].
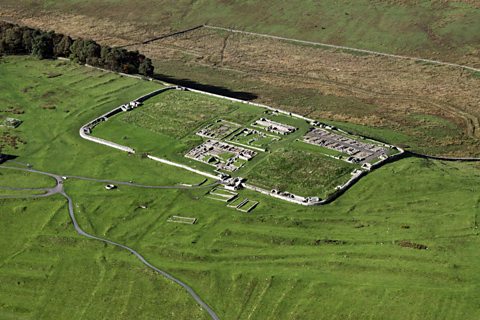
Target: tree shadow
[
  {"x": 247, "y": 96},
  {"x": 6, "y": 157}
]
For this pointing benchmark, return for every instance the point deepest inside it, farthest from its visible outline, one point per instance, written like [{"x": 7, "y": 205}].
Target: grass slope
[
  {"x": 48, "y": 272},
  {"x": 340, "y": 261},
  {"x": 78, "y": 95},
  {"x": 17, "y": 179}
]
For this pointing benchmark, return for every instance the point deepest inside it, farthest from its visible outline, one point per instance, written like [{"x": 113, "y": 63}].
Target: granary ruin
[{"x": 358, "y": 152}]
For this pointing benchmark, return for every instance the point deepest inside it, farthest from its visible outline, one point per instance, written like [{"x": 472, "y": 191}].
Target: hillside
[
  {"x": 449, "y": 30},
  {"x": 401, "y": 244}
]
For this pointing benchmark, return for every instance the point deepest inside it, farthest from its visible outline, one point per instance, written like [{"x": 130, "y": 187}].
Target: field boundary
[
  {"x": 332, "y": 46},
  {"x": 314, "y": 43},
  {"x": 163, "y": 36},
  {"x": 440, "y": 158}
]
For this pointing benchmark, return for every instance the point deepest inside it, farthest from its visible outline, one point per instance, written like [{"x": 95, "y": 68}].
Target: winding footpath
[{"x": 59, "y": 189}]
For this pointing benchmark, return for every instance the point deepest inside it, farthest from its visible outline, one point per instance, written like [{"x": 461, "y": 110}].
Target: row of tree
[{"x": 18, "y": 40}]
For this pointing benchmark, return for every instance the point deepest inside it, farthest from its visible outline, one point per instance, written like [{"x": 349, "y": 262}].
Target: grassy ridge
[
  {"x": 48, "y": 272},
  {"x": 339, "y": 261}
]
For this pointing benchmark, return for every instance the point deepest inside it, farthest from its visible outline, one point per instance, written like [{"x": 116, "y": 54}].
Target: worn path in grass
[{"x": 58, "y": 189}]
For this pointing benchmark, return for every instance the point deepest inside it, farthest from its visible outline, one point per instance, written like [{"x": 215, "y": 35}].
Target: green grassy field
[
  {"x": 283, "y": 261},
  {"x": 18, "y": 179},
  {"x": 79, "y": 95},
  {"x": 308, "y": 173},
  {"x": 171, "y": 113},
  {"x": 45, "y": 268},
  {"x": 341, "y": 261},
  {"x": 48, "y": 272}
]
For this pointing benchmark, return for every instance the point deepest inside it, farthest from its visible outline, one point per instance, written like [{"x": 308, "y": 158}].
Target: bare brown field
[
  {"x": 434, "y": 109},
  {"x": 103, "y": 30}
]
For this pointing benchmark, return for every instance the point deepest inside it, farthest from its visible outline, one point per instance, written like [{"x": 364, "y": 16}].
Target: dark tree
[
  {"x": 146, "y": 67},
  {"x": 27, "y": 39},
  {"x": 77, "y": 51},
  {"x": 42, "y": 45},
  {"x": 3, "y": 46},
  {"x": 23, "y": 40},
  {"x": 62, "y": 44},
  {"x": 14, "y": 40},
  {"x": 91, "y": 49}
]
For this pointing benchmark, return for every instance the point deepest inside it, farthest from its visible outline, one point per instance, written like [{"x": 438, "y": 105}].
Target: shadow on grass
[
  {"x": 6, "y": 157},
  {"x": 248, "y": 96}
]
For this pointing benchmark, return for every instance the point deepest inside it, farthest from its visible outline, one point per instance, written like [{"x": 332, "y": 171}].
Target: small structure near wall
[
  {"x": 126, "y": 107},
  {"x": 243, "y": 204},
  {"x": 180, "y": 219},
  {"x": 233, "y": 183},
  {"x": 130, "y": 106}
]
